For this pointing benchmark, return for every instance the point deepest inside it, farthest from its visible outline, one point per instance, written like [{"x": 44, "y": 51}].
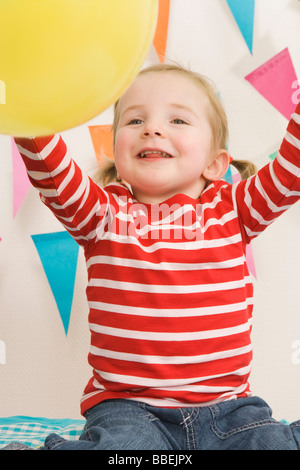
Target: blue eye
[
  {"x": 178, "y": 121},
  {"x": 135, "y": 121}
]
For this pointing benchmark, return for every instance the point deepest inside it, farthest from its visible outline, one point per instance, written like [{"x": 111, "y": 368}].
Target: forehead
[{"x": 164, "y": 86}]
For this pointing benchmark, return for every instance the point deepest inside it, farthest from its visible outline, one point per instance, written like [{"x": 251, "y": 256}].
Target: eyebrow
[
  {"x": 184, "y": 107},
  {"x": 172, "y": 105},
  {"x": 132, "y": 107}
]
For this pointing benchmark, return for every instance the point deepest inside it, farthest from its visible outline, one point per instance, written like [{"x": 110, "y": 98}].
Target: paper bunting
[
  {"x": 228, "y": 176},
  {"x": 161, "y": 32},
  {"x": 250, "y": 261},
  {"x": 274, "y": 80},
  {"x": 58, "y": 253},
  {"x": 102, "y": 138},
  {"x": 243, "y": 12},
  {"x": 273, "y": 155},
  {"x": 21, "y": 183}
]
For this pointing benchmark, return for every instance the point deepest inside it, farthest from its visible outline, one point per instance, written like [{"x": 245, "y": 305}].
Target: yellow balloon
[{"x": 63, "y": 62}]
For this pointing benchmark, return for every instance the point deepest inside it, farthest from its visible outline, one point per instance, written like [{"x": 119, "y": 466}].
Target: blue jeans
[{"x": 242, "y": 424}]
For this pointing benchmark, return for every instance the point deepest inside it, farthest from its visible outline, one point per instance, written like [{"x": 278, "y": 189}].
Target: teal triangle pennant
[
  {"x": 58, "y": 253},
  {"x": 228, "y": 176},
  {"x": 243, "y": 12}
]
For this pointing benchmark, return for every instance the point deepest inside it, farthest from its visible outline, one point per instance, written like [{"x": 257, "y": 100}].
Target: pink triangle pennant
[
  {"x": 21, "y": 183},
  {"x": 275, "y": 80},
  {"x": 250, "y": 260}
]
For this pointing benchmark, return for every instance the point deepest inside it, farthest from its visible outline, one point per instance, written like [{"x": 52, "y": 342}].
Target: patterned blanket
[{"x": 33, "y": 431}]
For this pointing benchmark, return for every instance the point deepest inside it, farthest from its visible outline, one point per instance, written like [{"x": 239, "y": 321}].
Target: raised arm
[
  {"x": 74, "y": 199},
  {"x": 263, "y": 197}
]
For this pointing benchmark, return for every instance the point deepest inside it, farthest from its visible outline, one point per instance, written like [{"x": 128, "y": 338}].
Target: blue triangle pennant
[
  {"x": 58, "y": 253},
  {"x": 243, "y": 12},
  {"x": 228, "y": 176}
]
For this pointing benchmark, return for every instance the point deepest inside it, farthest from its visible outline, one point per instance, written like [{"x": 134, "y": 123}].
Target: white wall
[{"x": 45, "y": 371}]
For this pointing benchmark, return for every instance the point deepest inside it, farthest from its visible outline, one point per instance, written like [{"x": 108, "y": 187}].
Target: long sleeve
[
  {"x": 74, "y": 199},
  {"x": 265, "y": 196}
]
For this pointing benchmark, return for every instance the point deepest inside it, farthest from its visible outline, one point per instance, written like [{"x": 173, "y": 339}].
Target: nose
[
  {"x": 152, "y": 130},
  {"x": 150, "y": 133}
]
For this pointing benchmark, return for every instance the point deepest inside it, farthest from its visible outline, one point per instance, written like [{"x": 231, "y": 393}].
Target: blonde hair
[{"x": 218, "y": 122}]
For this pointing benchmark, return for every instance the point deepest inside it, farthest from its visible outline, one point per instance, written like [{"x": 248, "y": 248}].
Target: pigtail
[
  {"x": 245, "y": 168},
  {"x": 107, "y": 174}
]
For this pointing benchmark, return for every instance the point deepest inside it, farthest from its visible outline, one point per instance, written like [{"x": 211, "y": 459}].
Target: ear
[{"x": 218, "y": 166}]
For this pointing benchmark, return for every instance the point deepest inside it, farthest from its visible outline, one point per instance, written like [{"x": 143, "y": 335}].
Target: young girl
[{"x": 169, "y": 291}]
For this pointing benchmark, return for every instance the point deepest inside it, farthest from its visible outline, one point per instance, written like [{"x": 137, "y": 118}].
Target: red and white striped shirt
[{"x": 169, "y": 291}]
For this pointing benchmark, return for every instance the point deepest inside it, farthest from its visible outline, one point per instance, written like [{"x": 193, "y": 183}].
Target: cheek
[
  {"x": 118, "y": 152},
  {"x": 123, "y": 142},
  {"x": 199, "y": 149},
  {"x": 121, "y": 154}
]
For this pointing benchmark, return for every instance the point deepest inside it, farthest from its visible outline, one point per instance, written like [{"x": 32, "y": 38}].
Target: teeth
[{"x": 144, "y": 154}]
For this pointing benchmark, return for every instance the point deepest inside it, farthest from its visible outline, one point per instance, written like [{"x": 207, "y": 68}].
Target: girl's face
[{"x": 163, "y": 140}]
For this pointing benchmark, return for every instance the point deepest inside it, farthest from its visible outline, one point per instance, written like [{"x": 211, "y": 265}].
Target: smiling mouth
[{"x": 154, "y": 154}]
